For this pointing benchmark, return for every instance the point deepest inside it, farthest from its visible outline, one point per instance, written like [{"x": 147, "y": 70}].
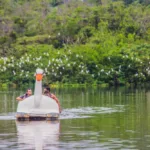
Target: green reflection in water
[{"x": 116, "y": 119}]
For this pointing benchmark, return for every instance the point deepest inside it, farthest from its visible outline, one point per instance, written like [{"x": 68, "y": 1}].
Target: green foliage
[
  {"x": 128, "y": 1},
  {"x": 95, "y": 42}
]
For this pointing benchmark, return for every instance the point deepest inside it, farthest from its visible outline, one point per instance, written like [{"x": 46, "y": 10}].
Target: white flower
[
  {"x": 4, "y": 68},
  {"x": 49, "y": 62},
  {"x": 87, "y": 71},
  {"x": 14, "y": 72},
  {"x": 120, "y": 67},
  {"x": 45, "y": 69}
]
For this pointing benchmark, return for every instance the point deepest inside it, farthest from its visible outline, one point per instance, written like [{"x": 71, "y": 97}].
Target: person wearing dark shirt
[
  {"x": 51, "y": 95},
  {"x": 27, "y": 94}
]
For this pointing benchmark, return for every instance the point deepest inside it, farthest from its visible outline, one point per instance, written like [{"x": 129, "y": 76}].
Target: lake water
[{"x": 92, "y": 119}]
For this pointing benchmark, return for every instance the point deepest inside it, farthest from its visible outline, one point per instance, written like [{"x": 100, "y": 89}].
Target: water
[{"x": 92, "y": 119}]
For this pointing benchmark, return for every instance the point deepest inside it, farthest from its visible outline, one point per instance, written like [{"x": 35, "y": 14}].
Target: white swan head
[
  {"x": 39, "y": 74},
  {"x": 39, "y": 71}
]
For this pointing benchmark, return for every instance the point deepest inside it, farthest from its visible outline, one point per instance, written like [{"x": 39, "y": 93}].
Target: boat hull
[{"x": 47, "y": 109}]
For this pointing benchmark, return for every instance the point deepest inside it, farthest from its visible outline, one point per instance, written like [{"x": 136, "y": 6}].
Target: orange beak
[{"x": 39, "y": 77}]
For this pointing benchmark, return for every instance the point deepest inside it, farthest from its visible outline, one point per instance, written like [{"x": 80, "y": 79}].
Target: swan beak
[{"x": 39, "y": 77}]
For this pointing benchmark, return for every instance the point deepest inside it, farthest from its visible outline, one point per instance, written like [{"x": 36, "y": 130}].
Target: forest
[{"x": 90, "y": 42}]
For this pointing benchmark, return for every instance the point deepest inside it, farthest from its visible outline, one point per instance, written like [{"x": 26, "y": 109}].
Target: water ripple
[
  {"x": 85, "y": 112},
  {"x": 81, "y": 112}
]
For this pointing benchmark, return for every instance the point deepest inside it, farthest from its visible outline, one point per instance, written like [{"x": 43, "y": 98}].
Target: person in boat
[
  {"x": 49, "y": 94},
  {"x": 27, "y": 94}
]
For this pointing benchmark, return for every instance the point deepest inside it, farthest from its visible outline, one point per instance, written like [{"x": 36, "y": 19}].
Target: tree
[
  {"x": 144, "y": 1},
  {"x": 128, "y": 1}
]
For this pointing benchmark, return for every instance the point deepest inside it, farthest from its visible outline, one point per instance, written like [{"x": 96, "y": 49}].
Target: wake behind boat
[{"x": 38, "y": 106}]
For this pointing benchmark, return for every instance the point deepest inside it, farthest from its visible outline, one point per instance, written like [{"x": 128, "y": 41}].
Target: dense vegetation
[{"x": 93, "y": 41}]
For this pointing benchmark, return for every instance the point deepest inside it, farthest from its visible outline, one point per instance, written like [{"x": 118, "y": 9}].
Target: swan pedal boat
[{"x": 38, "y": 106}]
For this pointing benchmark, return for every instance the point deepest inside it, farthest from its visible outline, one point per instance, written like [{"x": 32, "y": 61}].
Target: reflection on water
[
  {"x": 38, "y": 134},
  {"x": 92, "y": 119},
  {"x": 8, "y": 102}
]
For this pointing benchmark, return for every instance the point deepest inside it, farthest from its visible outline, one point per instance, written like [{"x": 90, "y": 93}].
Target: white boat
[{"x": 38, "y": 106}]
